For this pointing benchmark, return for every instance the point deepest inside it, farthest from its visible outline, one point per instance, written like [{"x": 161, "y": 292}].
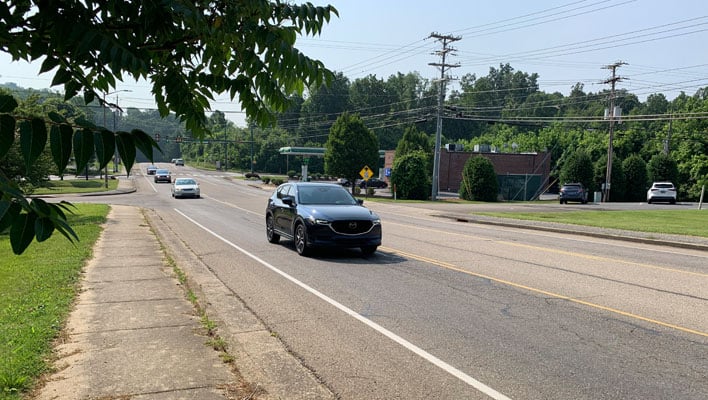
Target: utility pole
[
  {"x": 445, "y": 40},
  {"x": 611, "y": 115},
  {"x": 667, "y": 142}
]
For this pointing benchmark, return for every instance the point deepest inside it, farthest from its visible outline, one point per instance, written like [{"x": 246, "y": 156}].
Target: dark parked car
[
  {"x": 163, "y": 175},
  {"x": 573, "y": 192},
  {"x": 373, "y": 183},
  {"x": 321, "y": 215}
]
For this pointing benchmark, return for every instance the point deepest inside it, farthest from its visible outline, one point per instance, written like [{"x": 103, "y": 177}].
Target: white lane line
[
  {"x": 147, "y": 178},
  {"x": 401, "y": 341}
]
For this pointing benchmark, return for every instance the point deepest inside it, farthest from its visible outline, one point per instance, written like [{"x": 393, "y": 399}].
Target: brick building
[{"x": 522, "y": 176}]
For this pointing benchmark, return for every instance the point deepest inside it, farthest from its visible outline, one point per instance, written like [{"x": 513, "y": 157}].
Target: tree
[
  {"x": 635, "y": 174},
  {"x": 661, "y": 167},
  {"x": 479, "y": 181},
  {"x": 411, "y": 177},
  {"x": 414, "y": 140},
  {"x": 350, "y": 147},
  {"x": 188, "y": 50},
  {"x": 578, "y": 168},
  {"x": 321, "y": 108}
]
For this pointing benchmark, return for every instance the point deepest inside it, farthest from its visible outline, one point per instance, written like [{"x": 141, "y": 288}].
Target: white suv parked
[{"x": 661, "y": 192}]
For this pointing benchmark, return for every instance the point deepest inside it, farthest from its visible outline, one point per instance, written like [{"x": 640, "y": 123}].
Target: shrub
[
  {"x": 278, "y": 181},
  {"x": 252, "y": 175},
  {"x": 291, "y": 174},
  {"x": 662, "y": 168},
  {"x": 410, "y": 176},
  {"x": 266, "y": 179},
  {"x": 479, "y": 181}
]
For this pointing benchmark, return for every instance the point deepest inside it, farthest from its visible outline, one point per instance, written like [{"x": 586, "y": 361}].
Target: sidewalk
[{"x": 133, "y": 334}]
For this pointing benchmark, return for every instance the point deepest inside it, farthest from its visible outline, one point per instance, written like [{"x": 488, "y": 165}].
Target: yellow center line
[
  {"x": 561, "y": 252},
  {"x": 456, "y": 268}
]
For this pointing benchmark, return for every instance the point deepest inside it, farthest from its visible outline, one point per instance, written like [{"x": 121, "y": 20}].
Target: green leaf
[
  {"x": 22, "y": 232},
  {"x": 126, "y": 149},
  {"x": 145, "y": 143},
  {"x": 61, "y": 77},
  {"x": 84, "y": 123},
  {"x": 49, "y": 64},
  {"x": 33, "y": 139},
  {"x": 7, "y": 133},
  {"x": 9, "y": 210},
  {"x": 56, "y": 117},
  {"x": 71, "y": 89},
  {"x": 60, "y": 143},
  {"x": 59, "y": 219},
  {"x": 105, "y": 146},
  {"x": 7, "y": 103},
  {"x": 43, "y": 228},
  {"x": 83, "y": 148}
]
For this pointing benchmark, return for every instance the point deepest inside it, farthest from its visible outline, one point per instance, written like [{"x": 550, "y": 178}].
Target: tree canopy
[
  {"x": 188, "y": 50},
  {"x": 350, "y": 147}
]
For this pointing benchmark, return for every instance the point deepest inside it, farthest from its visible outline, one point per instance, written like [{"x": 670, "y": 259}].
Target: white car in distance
[
  {"x": 185, "y": 187},
  {"x": 661, "y": 192}
]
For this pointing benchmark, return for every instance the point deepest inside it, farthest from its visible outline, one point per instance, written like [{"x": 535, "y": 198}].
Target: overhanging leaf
[
  {"x": 83, "y": 148},
  {"x": 7, "y": 103},
  {"x": 61, "y": 76},
  {"x": 7, "y": 133},
  {"x": 126, "y": 149},
  {"x": 33, "y": 139},
  {"x": 105, "y": 144},
  {"x": 22, "y": 232},
  {"x": 56, "y": 117},
  {"x": 9, "y": 210},
  {"x": 145, "y": 143},
  {"x": 43, "y": 228},
  {"x": 60, "y": 143}
]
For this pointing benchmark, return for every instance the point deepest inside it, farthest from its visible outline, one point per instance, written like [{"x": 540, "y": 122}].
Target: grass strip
[
  {"x": 677, "y": 222},
  {"x": 76, "y": 186},
  {"x": 37, "y": 290}
]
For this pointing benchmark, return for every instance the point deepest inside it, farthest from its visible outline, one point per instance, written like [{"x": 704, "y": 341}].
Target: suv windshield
[{"x": 324, "y": 195}]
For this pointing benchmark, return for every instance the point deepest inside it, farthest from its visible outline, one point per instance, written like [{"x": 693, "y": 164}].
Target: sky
[{"x": 563, "y": 41}]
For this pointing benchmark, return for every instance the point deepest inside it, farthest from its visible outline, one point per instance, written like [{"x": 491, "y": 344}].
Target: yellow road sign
[{"x": 366, "y": 173}]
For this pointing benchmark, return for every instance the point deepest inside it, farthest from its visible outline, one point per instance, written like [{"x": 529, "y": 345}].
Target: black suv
[
  {"x": 321, "y": 215},
  {"x": 573, "y": 192}
]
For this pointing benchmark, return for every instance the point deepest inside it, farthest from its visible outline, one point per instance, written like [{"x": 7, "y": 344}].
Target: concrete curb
[{"x": 627, "y": 236}]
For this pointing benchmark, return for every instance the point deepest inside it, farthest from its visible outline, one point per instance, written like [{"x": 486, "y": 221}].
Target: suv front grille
[{"x": 351, "y": 227}]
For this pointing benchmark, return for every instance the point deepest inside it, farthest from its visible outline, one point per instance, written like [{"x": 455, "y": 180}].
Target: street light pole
[
  {"x": 251, "y": 148},
  {"x": 115, "y": 155}
]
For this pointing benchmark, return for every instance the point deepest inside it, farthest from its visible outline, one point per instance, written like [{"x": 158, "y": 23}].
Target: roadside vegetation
[
  {"x": 76, "y": 186},
  {"x": 37, "y": 290},
  {"x": 677, "y": 222}
]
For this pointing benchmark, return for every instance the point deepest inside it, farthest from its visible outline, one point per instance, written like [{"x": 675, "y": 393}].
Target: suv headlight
[{"x": 318, "y": 221}]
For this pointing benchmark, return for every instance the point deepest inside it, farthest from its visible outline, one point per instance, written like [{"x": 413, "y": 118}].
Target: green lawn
[
  {"x": 77, "y": 186},
  {"x": 37, "y": 290},
  {"x": 680, "y": 222}
]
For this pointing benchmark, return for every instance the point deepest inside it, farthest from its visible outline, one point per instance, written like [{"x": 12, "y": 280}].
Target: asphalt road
[{"x": 455, "y": 310}]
